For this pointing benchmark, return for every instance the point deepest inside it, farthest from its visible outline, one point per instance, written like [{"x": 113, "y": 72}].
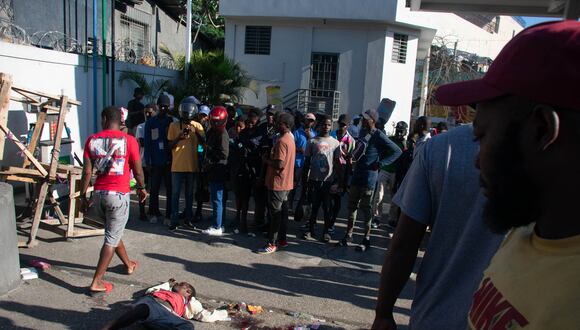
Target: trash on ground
[
  {"x": 255, "y": 309},
  {"x": 28, "y": 273},
  {"x": 305, "y": 316},
  {"x": 39, "y": 264}
]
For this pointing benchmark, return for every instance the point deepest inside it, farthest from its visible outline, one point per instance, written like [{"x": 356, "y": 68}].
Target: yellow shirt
[
  {"x": 531, "y": 283},
  {"x": 185, "y": 151}
]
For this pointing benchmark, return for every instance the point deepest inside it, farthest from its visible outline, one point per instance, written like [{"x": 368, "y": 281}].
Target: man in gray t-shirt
[{"x": 441, "y": 190}]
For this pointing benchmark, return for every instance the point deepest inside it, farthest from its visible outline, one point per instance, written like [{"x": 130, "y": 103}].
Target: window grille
[
  {"x": 258, "y": 40},
  {"x": 135, "y": 35},
  {"x": 400, "y": 42}
]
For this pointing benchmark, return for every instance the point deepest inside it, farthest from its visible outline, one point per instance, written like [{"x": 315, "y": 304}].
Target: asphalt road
[{"x": 335, "y": 284}]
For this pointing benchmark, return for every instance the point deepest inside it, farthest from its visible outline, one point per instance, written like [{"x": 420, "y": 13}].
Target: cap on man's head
[
  {"x": 138, "y": 91},
  {"x": 541, "y": 64},
  {"x": 310, "y": 116},
  {"x": 371, "y": 114},
  {"x": 163, "y": 100},
  {"x": 344, "y": 119}
]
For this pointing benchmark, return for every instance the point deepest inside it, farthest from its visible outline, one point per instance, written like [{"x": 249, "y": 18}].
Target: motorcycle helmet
[
  {"x": 188, "y": 108},
  {"x": 218, "y": 117}
]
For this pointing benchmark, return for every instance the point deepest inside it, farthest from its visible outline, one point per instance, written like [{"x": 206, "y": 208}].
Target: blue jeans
[
  {"x": 217, "y": 194},
  {"x": 176, "y": 179}
]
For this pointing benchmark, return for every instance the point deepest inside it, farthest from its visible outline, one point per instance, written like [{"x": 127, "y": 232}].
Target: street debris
[
  {"x": 28, "y": 273},
  {"x": 255, "y": 309}
]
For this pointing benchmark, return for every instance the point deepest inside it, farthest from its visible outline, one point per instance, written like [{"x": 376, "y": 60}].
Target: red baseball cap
[{"x": 541, "y": 63}]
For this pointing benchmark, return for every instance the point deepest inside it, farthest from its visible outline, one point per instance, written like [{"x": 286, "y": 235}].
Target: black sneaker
[
  {"x": 326, "y": 238},
  {"x": 375, "y": 224},
  {"x": 345, "y": 241},
  {"x": 364, "y": 245},
  {"x": 173, "y": 227}
]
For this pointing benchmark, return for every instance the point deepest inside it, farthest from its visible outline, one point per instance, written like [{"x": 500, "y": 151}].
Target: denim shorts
[{"x": 113, "y": 207}]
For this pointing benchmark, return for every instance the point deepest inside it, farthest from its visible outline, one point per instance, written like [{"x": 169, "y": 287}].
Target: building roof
[{"x": 556, "y": 8}]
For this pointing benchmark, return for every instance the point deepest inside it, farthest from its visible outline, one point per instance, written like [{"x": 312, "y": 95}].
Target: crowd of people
[
  {"x": 288, "y": 162},
  {"x": 525, "y": 134}
]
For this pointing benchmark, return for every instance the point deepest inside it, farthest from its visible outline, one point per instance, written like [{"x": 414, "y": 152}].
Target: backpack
[{"x": 360, "y": 147}]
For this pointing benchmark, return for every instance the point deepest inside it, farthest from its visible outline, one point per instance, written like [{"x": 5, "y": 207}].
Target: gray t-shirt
[
  {"x": 442, "y": 190},
  {"x": 322, "y": 151}
]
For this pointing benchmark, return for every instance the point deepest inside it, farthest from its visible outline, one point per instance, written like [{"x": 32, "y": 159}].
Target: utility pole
[{"x": 188, "y": 39}]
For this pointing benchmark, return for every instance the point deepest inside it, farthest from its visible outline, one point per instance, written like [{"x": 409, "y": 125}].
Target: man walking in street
[
  {"x": 157, "y": 156},
  {"x": 279, "y": 181},
  {"x": 379, "y": 151},
  {"x": 135, "y": 108},
  {"x": 183, "y": 138},
  {"x": 528, "y": 114},
  {"x": 113, "y": 155}
]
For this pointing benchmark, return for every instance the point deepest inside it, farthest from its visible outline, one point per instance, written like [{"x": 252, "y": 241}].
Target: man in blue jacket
[
  {"x": 380, "y": 151},
  {"x": 157, "y": 156}
]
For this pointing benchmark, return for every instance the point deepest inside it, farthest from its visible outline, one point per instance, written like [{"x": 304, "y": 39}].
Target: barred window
[
  {"x": 258, "y": 39},
  {"x": 400, "y": 48},
  {"x": 135, "y": 35}
]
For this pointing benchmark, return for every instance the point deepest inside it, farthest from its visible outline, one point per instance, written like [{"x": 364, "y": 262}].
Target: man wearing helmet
[
  {"x": 386, "y": 179},
  {"x": 215, "y": 162},
  {"x": 184, "y": 137}
]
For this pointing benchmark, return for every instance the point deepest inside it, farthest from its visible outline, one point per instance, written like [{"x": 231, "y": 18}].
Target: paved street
[{"x": 335, "y": 284}]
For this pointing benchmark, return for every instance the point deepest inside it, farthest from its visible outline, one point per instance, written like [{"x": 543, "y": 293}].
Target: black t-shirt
[{"x": 136, "y": 115}]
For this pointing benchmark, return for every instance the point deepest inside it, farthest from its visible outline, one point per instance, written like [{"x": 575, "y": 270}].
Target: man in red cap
[{"x": 528, "y": 125}]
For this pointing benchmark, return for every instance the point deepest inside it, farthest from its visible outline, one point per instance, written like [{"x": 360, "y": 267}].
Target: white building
[{"x": 366, "y": 50}]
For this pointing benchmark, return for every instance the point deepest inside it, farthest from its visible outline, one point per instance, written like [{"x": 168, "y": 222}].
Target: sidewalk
[{"x": 336, "y": 284}]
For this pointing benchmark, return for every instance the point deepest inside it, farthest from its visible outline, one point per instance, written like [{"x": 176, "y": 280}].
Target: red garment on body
[
  {"x": 176, "y": 300},
  {"x": 111, "y": 153}
]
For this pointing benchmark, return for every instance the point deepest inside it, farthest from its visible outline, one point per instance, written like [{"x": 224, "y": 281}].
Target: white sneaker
[
  {"x": 153, "y": 219},
  {"x": 211, "y": 231}
]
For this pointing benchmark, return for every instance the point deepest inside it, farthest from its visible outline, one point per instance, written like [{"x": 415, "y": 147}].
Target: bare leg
[
  {"x": 122, "y": 254},
  {"x": 104, "y": 261},
  {"x": 137, "y": 313}
]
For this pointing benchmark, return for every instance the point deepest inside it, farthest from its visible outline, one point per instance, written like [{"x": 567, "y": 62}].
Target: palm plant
[
  {"x": 214, "y": 78},
  {"x": 151, "y": 90}
]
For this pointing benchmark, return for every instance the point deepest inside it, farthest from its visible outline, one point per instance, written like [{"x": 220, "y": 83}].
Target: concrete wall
[
  {"x": 398, "y": 79},
  {"x": 366, "y": 73},
  {"x": 57, "y": 72},
  {"x": 9, "y": 259},
  {"x": 364, "y": 10}
]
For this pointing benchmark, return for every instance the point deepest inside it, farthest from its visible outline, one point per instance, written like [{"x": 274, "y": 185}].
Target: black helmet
[
  {"x": 188, "y": 108},
  {"x": 402, "y": 126}
]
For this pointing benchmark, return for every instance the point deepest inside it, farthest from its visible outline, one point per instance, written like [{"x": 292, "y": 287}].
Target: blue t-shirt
[
  {"x": 155, "y": 147},
  {"x": 301, "y": 142},
  {"x": 380, "y": 150},
  {"x": 442, "y": 190}
]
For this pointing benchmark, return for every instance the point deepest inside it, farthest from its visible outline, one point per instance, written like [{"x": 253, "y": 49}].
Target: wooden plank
[
  {"x": 18, "y": 179},
  {"x": 38, "y": 127},
  {"x": 71, "y": 206},
  {"x": 52, "y": 222},
  {"x": 5, "y": 85},
  {"x": 56, "y": 205},
  {"x": 22, "y": 148},
  {"x": 58, "y": 137},
  {"x": 46, "y": 95},
  {"x": 24, "y": 171},
  {"x": 29, "y": 98},
  {"x": 39, "y": 204},
  {"x": 88, "y": 232}
]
